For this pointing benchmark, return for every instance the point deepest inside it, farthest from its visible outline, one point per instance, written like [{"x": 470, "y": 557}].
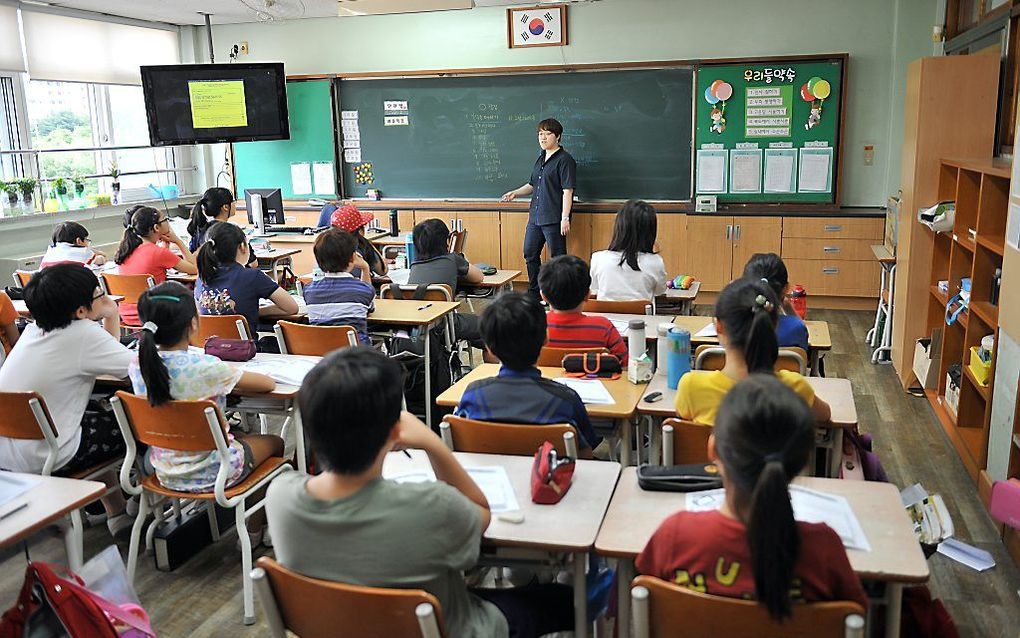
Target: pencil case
[
  {"x": 230, "y": 349},
  {"x": 592, "y": 364},
  {"x": 693, "y": 477}
]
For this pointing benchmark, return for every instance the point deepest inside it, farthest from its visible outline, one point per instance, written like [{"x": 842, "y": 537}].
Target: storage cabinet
[
  {"x": 720, "y": 246},
  {"x": 483, "y": 230},
  {"x": 831, "y": 256}
]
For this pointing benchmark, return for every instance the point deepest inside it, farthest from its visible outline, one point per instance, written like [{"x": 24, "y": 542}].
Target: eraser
[{"x": 511, "y": 517}]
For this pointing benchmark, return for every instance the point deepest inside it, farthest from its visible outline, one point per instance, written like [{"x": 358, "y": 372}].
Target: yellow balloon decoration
[{"x": 821, "y": 89}]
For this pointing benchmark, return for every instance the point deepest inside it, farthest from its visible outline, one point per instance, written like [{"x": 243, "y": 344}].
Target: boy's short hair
[
  {"x": 56, "y": 292},
  {"x": 552, "y": 125},
  {"x": 334, "y": 249},
  {"x": 565, "y": 281},
  {"x": 431, "y": 238},
  {"x": 513, "y": 327},
  {"x": 349, "y": 403}
]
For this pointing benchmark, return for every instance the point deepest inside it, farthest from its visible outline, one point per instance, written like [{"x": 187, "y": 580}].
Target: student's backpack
[{"x": 410, "y": 352}]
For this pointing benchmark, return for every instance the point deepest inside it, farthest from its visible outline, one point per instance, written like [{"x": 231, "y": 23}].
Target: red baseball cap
[{"x": 349, "y": 218}]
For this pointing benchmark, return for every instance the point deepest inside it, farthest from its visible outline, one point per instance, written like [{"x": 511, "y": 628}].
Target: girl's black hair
[
  {"x": 220, "y": 247},
  {"x": 138, "y": 222},
  {"x": 749, "y": 311},
  {"x": 763, "y": 436},
  {"x": 170, "y": 306},
  {"x": 770, "y": 267},
  {"x": 634, "y": 231},
  {"x": 69, "y": 233},
  {"x": 205, "y": 210}
]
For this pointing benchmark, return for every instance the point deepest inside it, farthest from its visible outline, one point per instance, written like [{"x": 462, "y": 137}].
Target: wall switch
[
  {"x": 869, "y": 154},
  {"x": 242, "y": 48}
]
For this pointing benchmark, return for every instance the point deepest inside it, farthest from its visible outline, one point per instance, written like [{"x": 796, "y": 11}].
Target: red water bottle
[{"x": 798, "y": 299}]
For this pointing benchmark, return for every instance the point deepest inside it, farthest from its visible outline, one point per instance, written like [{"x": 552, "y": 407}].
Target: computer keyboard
[{"x": 299, "y": 230}]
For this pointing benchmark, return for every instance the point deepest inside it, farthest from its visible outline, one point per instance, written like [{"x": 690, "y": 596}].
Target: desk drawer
[
  {"x": 835, "y": 277},
  {"x": 834, "y": 228},
  {"x": 830, "y": 249}
]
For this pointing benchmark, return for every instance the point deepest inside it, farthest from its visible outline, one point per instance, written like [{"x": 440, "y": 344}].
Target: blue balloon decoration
[{"x": 711, "y": 99}]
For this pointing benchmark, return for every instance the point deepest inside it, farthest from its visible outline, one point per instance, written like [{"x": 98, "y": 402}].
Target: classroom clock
[{"x": 541, "y": 26}]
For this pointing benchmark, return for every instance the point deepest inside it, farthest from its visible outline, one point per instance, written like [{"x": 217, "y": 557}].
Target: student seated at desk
[
  {"x": 165, "y": 369},
  {"x": 513, "y": 327},
  {"x": 217, "y": 205},
  {"x": 339, "y": 299},
  {"x": 226, "y": 287},
  {"x": 769, "y": 267},
  {"x": 352, "y": 220},
  {"x": 564, "y": 282},
  {"x": 60, "y": 356},
  {"x": 435, "y": 264},
  {"x": 9, "y": 333},
  {"x": 144, "y": 250},
  {"x": 71, "y": 243},
  {"x": 631, "y": 268},
  {"x": 350, "y": 525},
  {"x": 752, "y": 547},
  {"x": 745, "y": 319}
]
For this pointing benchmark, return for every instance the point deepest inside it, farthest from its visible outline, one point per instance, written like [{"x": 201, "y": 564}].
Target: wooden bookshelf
[{"x": 973, "y": 249}]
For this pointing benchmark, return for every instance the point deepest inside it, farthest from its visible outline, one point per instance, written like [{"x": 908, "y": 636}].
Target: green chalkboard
[
  {"x": 474, "y": 136},
  {"x": 767, "y": 120},
  {"x": 268, "y": 164}
]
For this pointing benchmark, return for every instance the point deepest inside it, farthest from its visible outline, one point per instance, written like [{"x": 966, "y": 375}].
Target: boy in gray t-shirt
[{"x": 350, "y": 525}]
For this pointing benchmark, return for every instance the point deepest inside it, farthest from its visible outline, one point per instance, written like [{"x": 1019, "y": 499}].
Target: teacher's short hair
[{"x": 552, "y": 125}]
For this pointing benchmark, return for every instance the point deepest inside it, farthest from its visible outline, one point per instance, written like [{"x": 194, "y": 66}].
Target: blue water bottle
[
  {"x": 409, "y": 248},
  {"x": 678, "y": 360}
]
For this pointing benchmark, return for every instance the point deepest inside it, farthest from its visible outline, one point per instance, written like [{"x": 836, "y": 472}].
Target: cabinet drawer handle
[
  {"x": 830, "y": 249},
  {"x": 833, "y": 228},
  {"x": 830, "y": 271},
  {"x": 729, "y": 232}
]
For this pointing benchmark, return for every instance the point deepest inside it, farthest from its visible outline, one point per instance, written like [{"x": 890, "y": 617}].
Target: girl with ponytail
[
  {"x": 770, "y": 270},
  {"x": 746, "y": 315},
  {"x": 752, "y": 547},
  {"x": 145, "y": 250},
  {"x": 166, "y": 370},
  {"x": 216, "y": 205}
]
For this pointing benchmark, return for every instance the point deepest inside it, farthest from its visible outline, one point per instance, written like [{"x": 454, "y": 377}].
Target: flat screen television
[{"x": 208, "y": 103}]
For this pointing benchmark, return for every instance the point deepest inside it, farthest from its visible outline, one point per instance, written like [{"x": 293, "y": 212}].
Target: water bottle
[
  {"x": 394, "y": 224},
  {"x": 636, "y": 339},
  {"x": 662, "y": 349},
  {"x": 409, "y": 249},
  {"x": 679, "y": 356}
]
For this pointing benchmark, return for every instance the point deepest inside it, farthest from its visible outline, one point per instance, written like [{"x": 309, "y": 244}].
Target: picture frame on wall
[{"x": 538, "y": 26}]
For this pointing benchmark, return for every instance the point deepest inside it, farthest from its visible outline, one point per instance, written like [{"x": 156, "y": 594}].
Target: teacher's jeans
[{"x": 535, "y": 237}]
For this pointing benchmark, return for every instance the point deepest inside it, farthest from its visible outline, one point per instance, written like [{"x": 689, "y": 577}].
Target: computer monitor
[{"x": 272, "y": 206}]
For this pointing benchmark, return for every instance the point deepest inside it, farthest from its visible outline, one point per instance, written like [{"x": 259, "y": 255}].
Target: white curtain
[
  {"x": 10, "y": 40},
  {"x": 68, "y": 49}
]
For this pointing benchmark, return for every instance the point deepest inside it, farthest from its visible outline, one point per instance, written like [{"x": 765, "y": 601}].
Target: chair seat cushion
[{"x": 152, "y": 484}]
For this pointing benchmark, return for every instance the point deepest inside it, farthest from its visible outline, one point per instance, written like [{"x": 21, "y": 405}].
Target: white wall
[{"x": 881, "y": 36}]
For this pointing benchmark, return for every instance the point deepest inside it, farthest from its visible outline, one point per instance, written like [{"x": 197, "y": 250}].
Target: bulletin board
[{"x": 769, "y": 130}]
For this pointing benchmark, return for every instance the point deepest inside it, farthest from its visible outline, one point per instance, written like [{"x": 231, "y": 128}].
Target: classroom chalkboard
[
  {"x": 474, "y": 136},
  {"x": 769, "y": 130},
  {"x": 274, "y": 164}
]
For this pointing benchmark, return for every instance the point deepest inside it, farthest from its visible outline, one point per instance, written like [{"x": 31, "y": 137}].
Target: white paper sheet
[
  {"x": 290, "y": 371},
  {"x": 351, "y": 135},
  {"x": 325, "y": 183},
  {"x": 348, "y": 115},
  {"x": 707, "y": 331},
  {"x": 352, "y": 143},
  {"x": 591, "y": 391},
  {"x": 12, "y": 486},
  {"x": 1013, "y": 225},
  {"x": 711, "y": 172},
  {"x": 495, "y": 484},
  {"x": 778, "y": 173},
  {"x": 352, "y": 155},
  {"x": 814, "y": 172},
  {"x": 301, "y": 178},
  {"x": 969, "y": 555},
  {"x": 349, "y": 126},
  {"x": 745, "y": 172},
  {"x": 621, "y": 326}
]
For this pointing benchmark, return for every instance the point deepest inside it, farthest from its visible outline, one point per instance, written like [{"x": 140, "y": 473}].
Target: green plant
[
  {"x": 79, "y": 183},
  {"x": 27, "y": 186},
  {"x": 114, "y": 170},
  {"x": 11, "y": 188},
  {"x": 60, "y": 185}
]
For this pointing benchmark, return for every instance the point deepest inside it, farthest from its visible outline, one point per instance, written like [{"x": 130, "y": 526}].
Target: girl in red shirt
[{"x": 752, "y": 547}]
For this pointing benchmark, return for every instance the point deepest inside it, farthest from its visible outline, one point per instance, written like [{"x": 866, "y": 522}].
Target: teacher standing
[{"x": 552, "y": 184}]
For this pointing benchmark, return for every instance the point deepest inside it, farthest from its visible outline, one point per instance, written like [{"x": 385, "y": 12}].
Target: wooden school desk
[
  {"x": 818, "y": 337},
  {"x": 569, "y": 526},
  {"x": 51, "y": 498},
  {"x": 838, "y": 393},
  {"x": 895, "y": 557},
  {"x": 651, "y": 322},
  {"x": 625, "y": 394},
  {"x": 684, "y": 297},
  {"x": 22, "y": 307},
  {"x": 273, "y": 257}
]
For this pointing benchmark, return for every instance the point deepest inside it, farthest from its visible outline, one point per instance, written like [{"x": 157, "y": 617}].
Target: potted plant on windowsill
[
  {"x": 79, "y": 190},
  {"x": 60, "y": 188},
  {"x": 27, "y": 187},
  {"x": 115, "y": 175},
  {"x": 11, "y": 190}
]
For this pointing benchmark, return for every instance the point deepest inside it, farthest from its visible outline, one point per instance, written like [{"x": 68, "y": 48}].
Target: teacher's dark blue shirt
[{"x": 550, "y": 178}]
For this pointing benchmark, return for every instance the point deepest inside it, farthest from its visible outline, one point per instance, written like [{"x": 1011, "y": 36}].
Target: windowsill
[{"x": 96, "y": 212}]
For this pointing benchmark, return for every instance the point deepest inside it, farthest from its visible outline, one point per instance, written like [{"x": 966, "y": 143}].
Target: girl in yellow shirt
[{"x": 746, "y": 316}]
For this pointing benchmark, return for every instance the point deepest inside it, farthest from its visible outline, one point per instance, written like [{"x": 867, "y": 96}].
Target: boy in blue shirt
[
  {"x": 514, "y": 329},
  {"x": 339, "y": 299}
]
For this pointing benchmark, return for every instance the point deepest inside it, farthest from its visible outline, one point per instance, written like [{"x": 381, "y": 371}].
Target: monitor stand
[{"x": 257, "y": 218}]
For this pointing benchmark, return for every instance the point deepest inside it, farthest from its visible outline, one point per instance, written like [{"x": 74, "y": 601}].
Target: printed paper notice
[
  {"x": 780, "y": 170},
  {"x": 712, "y": 171},
  {"x": 348, "y": 115},
  {"x": 352, "y": 155},
  {"x": 396, "y": 120},
  {"x": 745, "y": 171},
  {"x": 325, "y": 182},
  {"x": 1013, "y": 225},
  {"x": 301, "y": 178},
  {"x": 815, "y": 170},
  {"x": 218, "y": 104}
]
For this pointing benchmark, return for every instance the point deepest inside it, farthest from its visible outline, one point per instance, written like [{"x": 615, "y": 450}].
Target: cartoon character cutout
[
  {"x": 814, "y": 117},
  {"x": 718, "y": 120}
]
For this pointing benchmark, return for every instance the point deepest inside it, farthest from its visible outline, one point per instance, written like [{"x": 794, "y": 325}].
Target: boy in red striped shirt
[{"x": 565, "y": 282}]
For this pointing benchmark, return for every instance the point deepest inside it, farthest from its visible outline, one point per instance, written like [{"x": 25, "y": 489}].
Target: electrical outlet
[{"x": 242, "y": 48}]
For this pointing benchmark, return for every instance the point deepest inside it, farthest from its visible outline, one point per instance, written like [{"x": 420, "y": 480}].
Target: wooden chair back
[
  {"x": 21, "y": 277},
  {"x": 433, "y": 292},
  {"x": 457, "y": 241},
  {"x": 660, "y": 607},
  {"x": 225, "y": 326},
  {"x": 621, "y": 307},
  {"x": 684, "y": 442},
  {"x": 484, "y": 437},
  {"x": 314, "y": 608},
  {"x": 24, "y": 416},
  {"x": 175, "y": 425},
  {"x": 713, "y": 357},
  {"x": 300, "y": 338},
  {"x": 128, "y": 286},
  {"x": 553, "y": 357}
]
